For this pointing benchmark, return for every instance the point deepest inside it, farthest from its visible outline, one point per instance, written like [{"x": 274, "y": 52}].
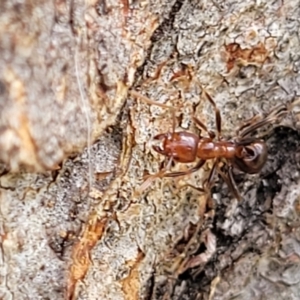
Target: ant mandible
[{"x": 243, "y": 152}]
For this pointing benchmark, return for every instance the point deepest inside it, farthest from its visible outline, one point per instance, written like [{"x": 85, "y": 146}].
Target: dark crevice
[
  {"x": 163, "y": 29},
  {"x": 283, "y": 145},
  {"x": 167, "y": 25}
]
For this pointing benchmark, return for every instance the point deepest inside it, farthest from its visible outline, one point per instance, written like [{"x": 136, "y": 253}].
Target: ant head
[
  {"x": 252, "y": 157},
  {"x": 180, "y": 146},
  {"x": 160, "y": 143}
]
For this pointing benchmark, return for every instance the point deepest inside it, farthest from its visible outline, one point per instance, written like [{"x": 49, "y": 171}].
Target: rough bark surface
[{"x": 75, "y": 147}]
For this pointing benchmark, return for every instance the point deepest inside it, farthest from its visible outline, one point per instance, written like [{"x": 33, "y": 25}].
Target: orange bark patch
[
  {"x": 245, "y": 57},
  {"x": 81, "y": 252},
  {"x": 131, "y": 284}
]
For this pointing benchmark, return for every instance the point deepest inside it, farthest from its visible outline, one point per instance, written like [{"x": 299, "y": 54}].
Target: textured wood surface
[{"x": 75, "y": 147}]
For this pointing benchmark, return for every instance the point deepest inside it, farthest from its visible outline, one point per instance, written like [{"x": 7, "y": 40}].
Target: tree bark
[{"x": 76, "y": 146}]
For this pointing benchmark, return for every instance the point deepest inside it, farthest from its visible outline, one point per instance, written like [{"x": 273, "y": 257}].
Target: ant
[{"x": 243, "y": 151}]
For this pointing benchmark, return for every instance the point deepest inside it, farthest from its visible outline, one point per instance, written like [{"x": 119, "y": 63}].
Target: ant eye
[{"x": 158, "y": 144}]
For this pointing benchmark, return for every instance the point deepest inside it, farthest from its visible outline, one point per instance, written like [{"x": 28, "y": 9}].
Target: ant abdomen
[{"x": 252, "y": 157}]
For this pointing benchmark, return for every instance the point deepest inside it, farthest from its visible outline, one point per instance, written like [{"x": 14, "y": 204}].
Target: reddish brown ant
[{"x": 243, "y": 152}]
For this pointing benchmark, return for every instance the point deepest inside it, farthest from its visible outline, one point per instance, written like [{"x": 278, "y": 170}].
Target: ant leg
[
  {"x": 208, "y": 183},
  {"x": 247, "y": 124},
  {"x": 173, "y": 121},
  {"x": 199, "y": 164},
  {"x": 153, "y": 177},
  {"x": 255, "y": 123},
  {"x": 211, "y": 134},
  {"x": 231, "y": 183},
  {"x": 216, "y": 109},
  {"x": 152, "y": 102},
  {"x": 217, "y": 114},
  {"x": 233, "y": 186},
  {"x": 198, "y": 189},
  {"x": 210, "y": 179},
  {"x": 149, "y": 101}
]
